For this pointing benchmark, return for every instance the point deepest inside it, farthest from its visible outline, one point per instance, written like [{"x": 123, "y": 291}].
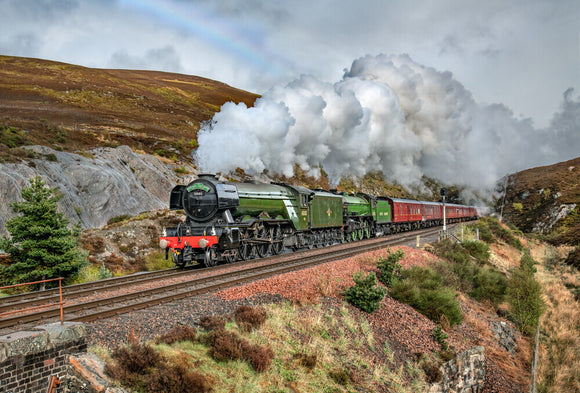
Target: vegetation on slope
[
  {"x": 559, "y": 356},
  {"x": 542, "y": 200},
  {"x": 327, "y": 345},
  {"x": 76, "y": 108},
  {"x": 280, "y": 348}
]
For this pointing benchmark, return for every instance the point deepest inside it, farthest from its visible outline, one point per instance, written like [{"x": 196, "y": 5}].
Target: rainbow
[{"x": 211, "y": 28}]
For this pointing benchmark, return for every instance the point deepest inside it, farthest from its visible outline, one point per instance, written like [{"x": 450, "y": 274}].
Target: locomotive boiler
[{"x": 229, "y": 221}]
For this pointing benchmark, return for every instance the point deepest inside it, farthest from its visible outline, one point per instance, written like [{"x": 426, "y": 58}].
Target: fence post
[
  {"x": 535, "y": 362},
  {"x": 61, "y": 305}
]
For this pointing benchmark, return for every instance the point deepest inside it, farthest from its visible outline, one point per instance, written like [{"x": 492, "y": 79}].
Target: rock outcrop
[
  {"x": 95, "y": 187},
  {"x": 465, "y": 373},
  {"x": 505, "y": 335}
]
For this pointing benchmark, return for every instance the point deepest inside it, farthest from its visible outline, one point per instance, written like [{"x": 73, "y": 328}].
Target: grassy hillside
[
  {"x": 74, "y": 108},
  {"x": 542, "y": 199}
]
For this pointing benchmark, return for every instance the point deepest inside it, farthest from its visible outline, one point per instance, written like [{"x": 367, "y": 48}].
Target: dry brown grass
[
  {"x": 559, "y": 354},
  {"x": 516, "y": 366},
  {"x": 504, "y": 257}
]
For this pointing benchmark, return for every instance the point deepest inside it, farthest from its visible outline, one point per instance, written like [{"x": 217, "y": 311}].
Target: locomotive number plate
[{"x": 198, "y": 193}]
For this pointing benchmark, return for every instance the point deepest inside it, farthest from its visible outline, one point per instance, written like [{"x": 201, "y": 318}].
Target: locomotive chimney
[{"x": 207, "y": 176}]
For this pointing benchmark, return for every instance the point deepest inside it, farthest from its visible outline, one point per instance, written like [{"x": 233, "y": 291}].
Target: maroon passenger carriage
[{"x": 408, "y": 214}]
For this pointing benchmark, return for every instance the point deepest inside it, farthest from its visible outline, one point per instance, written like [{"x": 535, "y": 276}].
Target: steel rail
[
  {"x": 9, "y": 302},
  {"x": 146, "y": 298},
  {"x": 40, "y": 298}
]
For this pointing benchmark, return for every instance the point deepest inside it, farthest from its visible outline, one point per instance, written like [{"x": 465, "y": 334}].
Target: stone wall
[{"x": 29, "y": 358}]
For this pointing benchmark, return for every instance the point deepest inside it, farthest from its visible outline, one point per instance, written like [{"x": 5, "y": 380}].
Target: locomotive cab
[{"x": 209, "y": 229}]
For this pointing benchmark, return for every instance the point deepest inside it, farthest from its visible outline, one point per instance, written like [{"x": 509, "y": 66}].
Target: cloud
[
  {"x": 493, "y": 77},
  {"x": 162, "y": 59},
  {"x": 562, "y": 137},
  {"x": 387, "y": 113},
  {"x": 523, "y": 53}
]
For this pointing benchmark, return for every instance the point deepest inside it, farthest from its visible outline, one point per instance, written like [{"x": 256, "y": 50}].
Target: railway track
[{"x": 128, "y": 293}]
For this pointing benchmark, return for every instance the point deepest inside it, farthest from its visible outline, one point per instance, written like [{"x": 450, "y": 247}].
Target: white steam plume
[{"x": 388, "y": 113}]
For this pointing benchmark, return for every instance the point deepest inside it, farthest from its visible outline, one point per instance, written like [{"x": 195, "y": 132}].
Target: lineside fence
[{"x": 25, "y": 310}]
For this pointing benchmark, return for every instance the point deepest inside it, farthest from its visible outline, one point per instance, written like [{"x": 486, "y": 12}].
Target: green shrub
[
  {"x": 193, "y": 144},
  {"x": 390, "y": 267},
  {"x": 478, "y": 250},
  {"x": 178, "y": 144},
  {"x": 51, "y": 157},
  {"x": 515, "y": 230},
  {"x": 527, "y": 264},
  {"x": 180, "y": 170},
  {"x": 104, "y": 272},
  {"x": 504, "y": 234},
  {"x": 87, "y": 273},
  {"x": 451, "y": 251},
  {"x": 436, "y": 303},
  {"x": 460, "y": 269},
  {"x": 441, "y": 337},
  {"x": 524, "y": 296},
  {"x": 425, "y": 278},
  {"x": 117, "y": 219},
  {"x": 156, "y": 261},
  {"x": 489, "y": 284},
  {"x": 423, "y": 289},
  {"x": 365, "y": 294},
  {"x": 485, "y": 234},
  {"x": 12, "y": 137},
  {"x": 479, "y": 282},
  {"x": 61, "y": 136},
  {"x": 516, "y": 243}
]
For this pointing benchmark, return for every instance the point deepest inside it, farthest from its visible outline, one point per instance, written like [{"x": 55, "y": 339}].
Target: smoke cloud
[{"x": 387, "y": 113}]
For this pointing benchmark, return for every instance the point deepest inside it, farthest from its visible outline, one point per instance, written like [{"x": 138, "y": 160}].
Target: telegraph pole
[
  {"x": 503, "y": 199},
  {"x": 444, "y": 194}
]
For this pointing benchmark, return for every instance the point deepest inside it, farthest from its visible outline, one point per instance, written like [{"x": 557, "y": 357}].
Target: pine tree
[
  {"x": 365, "y": 294},
  {"x": 41, "y": 244}
]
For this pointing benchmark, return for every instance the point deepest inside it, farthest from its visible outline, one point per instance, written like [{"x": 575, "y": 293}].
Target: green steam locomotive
[{"x": 226, "y": 221}]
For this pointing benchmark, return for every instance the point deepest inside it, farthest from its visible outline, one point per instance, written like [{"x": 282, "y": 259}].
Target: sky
[
  {"x": 521, "y": 53},
  {"x": 517, "y": 61}
]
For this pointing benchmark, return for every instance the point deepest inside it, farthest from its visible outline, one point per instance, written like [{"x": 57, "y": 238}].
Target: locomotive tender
[{"x": 228, "y": 221}]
